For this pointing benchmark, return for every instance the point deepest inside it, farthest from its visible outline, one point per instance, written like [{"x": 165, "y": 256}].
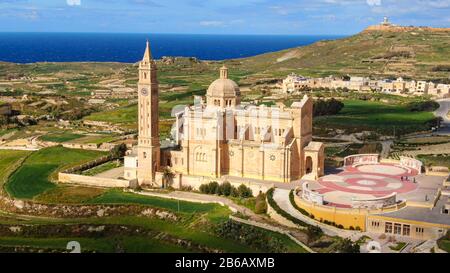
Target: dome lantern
[{"x": 223, "y": 92}]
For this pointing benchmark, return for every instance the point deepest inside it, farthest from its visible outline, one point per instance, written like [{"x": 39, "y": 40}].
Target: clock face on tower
[{"x": 144, "y": 91}]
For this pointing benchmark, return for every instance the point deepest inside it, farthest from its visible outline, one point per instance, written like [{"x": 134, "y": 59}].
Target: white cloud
[
  {"x": 74, "y": 2},
  {"x": 221, "y": 23},
  {"x": 374, "y": 3},
  {"x": 212, "y": 23}
]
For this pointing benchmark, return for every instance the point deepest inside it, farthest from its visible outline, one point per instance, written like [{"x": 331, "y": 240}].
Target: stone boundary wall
[
  {"x": 92, "y": 181},
  {"x": 411, "y": 163},
  {"x": 311, "y": 196},
  {"x": 89, "y": 165},
  {"x": 354, "y": 217},
  {"x": 390, "y": 161},
  {"x": 272, "y": 228},
  {"x": 375, "y": 203},
  {"x": 361, "y": 159},
  {"x": 82, "y": 211}
]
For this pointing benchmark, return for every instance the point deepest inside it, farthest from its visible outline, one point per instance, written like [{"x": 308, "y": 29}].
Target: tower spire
[{"x": 148, "y": 52}]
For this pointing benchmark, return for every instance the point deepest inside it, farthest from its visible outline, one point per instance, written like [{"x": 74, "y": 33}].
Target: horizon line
[{"x": 168, "y": 33}]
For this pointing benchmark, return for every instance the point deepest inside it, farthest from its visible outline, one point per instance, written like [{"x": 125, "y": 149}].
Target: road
[
  {"x": 387, "y": 145},
  {"x": 442, "y": 112}
]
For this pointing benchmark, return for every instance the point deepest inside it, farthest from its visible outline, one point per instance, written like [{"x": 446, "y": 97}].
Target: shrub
[
  {"x": 225, "y": 189},
  {"x": 327, "y": 107},
  {"x": 347, "y": 246},
  {"x": 119, "y": 151},
  {"x": 251, "y": 236},
  {"x": 304, "y": 212},
  {"x": 261, "y": 205},
  {"x": 234, "y": 192},
  {"x": 244, "y": 191},
  {"x": 314, "y": 233},
  {"x": 204, "y": 188},
  {"x": 210, "y": 188},
  {"x": 213, "y": 187},
  {"x": 420, "y": 106}
]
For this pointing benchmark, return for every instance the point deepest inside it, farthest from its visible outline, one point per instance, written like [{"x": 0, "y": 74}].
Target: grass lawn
[
  {"x": 69, "y": 195},
  {"x": 101, "y": 168},
  {"x": 435, "y": 160},
  {"x": 35, "y": 175},
  {"x": 116, "y": 196},
  {"x": 8, "y": 161},
  {"x": 60, "y": 137},
  {"x": 130, "y": 244},
  {"x": 374, "y": 115},
  {"x": 97, "y": 139},
  {"x": 399, "y": 246},
  {"x": 444, "y": 244},
  {"x": 126, "y": 114}
]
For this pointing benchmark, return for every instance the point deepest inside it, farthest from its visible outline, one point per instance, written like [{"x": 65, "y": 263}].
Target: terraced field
[
  {"x": 367, "y": 115},
  {"x": 36, "y": 173}
]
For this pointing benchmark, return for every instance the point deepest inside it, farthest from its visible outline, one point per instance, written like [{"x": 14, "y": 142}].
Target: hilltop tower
[{"x": 148, "y": 140}]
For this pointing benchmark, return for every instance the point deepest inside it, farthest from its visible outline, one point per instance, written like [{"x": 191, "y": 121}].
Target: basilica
[{"x": 221, "y": 138}]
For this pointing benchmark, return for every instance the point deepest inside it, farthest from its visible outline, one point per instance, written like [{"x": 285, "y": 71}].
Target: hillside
[{"x": 420, "y": 53}]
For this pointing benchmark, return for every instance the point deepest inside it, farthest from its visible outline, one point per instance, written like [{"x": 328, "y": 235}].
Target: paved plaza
[{"x": 366, "y": 182}]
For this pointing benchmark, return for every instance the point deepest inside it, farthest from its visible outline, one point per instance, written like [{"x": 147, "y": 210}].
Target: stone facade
[{"x": 221, "y": 137}]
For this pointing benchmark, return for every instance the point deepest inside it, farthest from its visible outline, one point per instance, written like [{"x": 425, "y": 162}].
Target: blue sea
[{"x": 128, "y": 48}]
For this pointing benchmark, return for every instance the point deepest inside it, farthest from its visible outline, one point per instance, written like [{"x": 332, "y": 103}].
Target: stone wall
[
  {"x": 375, "y": 203},
  {"x": 411, "y": 163},
  {"x": 81, "y": 211},
  {"x": 361, "y": 159}
]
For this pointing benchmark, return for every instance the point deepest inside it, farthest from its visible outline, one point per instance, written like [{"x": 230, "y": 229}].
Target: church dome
[{"x": 223, "y": 87}]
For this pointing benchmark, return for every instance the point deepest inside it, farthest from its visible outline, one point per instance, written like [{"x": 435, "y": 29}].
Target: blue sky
[{"x": 217, "y": 16}]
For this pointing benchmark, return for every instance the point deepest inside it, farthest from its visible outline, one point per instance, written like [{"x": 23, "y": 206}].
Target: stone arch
[{"x": 308, "y": 165}]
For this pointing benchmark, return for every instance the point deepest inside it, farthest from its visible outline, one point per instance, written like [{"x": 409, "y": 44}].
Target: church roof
[
  {"x": 314, "y": 146},
  {"x": 223, "y": 87}
]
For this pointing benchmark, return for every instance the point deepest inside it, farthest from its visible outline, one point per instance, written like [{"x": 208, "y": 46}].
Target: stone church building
[{"x": 221, "y": 138}]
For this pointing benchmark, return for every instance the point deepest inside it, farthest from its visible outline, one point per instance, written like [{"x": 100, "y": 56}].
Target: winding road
[{"x": 443, "y": 112}]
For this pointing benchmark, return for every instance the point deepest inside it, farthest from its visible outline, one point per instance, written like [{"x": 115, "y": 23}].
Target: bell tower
[{"x": 148, "y": 139}]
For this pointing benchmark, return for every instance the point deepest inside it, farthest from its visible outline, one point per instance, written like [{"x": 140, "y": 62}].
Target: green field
[
  {"x": 35, "y": 175},
  {"x": 120, "y": 197},
  {"x": 359, "y": 114},
  {"x": 102, "y": 168},
  {"x": 121, "y": 115},
  {"x": 435, "y": 160},
  {"x": 131, "y": 244},
  {"x": 60, "y": 137},
  {"x": 8, "y": 161}
]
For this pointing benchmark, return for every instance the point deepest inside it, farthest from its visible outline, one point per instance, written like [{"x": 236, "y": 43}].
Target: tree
[
  {"x": 314, "y": 233},
  {"x": 347, "y": 246},
  {"x": 168, "y": 176},
  {"x": 261, "y": 205},
  {"x": 225, "y": 189},
  {"x": 244, "y": 191},
  {"x": 119, "y": 151}
]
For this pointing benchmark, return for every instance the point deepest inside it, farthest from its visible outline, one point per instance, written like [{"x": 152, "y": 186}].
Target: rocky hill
[{"x": 421, "y": 53}]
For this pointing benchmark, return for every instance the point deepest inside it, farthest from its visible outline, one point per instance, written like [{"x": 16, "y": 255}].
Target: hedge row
[
  {"x": 304, "y": 212},
  {"x": 283, "y": 213}
]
